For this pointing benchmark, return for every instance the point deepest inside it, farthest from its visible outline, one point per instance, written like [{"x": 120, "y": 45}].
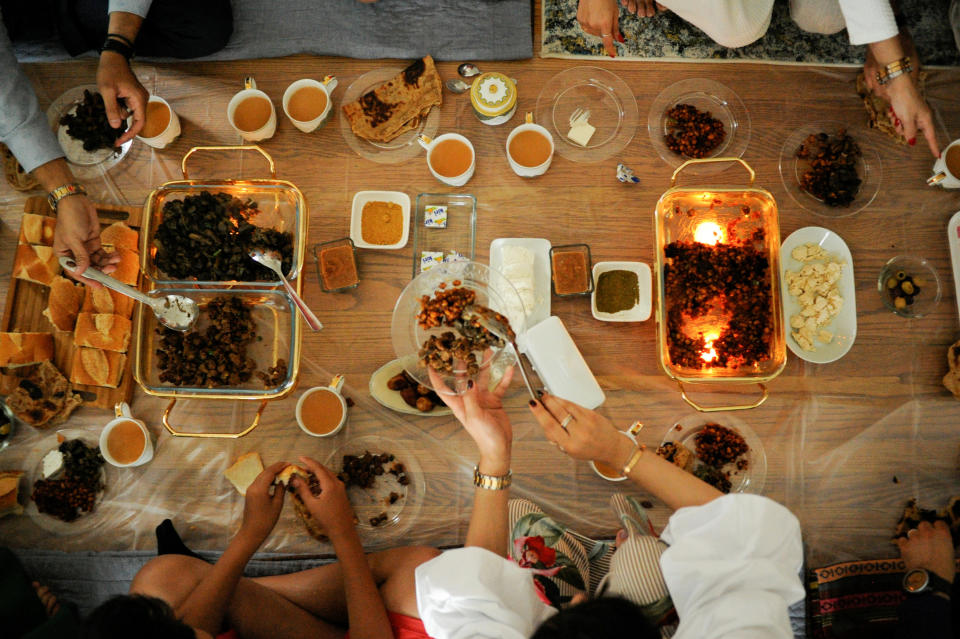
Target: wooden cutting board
[{"x": 24, "y": 313}]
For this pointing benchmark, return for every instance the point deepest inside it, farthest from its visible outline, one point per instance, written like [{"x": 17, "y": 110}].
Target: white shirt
[{"x": 732, "y": 570}]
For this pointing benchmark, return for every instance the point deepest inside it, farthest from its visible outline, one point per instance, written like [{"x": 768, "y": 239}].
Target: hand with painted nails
[
  {"x": 601, "y": 18},
  {"x": 481, "y": 412},
  {"x": 579, "y": 432}
]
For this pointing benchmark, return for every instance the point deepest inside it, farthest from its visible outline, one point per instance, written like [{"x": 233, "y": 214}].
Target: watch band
[
  {"x": 920, "y": 581},
  {"x": 491, "y": 482},
  {"x": 894, "y": 70},
  {"x": 117, "y": 46},
  {"x": 634, "y": 458},
  {"x": 54, "y": 197}
]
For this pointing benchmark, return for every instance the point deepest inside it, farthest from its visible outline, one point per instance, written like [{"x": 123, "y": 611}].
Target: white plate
[
  {"x": 953, "y": 239},
  {"x": 641, "y": 310},
  {"x": 844, "y": 325},
  {"x": 86, "y": 165},
  {"x": 541, "y": 272},
  {"x": 391, "y": 399},
  {"x": 749, "y": 480},
  {"x": 360, "y": 200}
]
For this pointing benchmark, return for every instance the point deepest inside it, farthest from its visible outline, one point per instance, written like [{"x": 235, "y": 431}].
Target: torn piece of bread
[
  {"x": 37, "y": 229},
  {"x": 63, "y": 303},
  {"x": 23, "y": 349},
  {"x": 104, "y": 300},
  {"x": 9, "y": 487},
  {"x": 97, "y": 367},
  {"x": 44, "y": 398},
  {"x": 128, "y": 269},
  {"x": 100, "y": 330},
  {"x": 35, "y": 263},
  {"x": 303, "y": 514},
  {"x": 244, "y": 471},
  {"x": 119, "y": 235}
]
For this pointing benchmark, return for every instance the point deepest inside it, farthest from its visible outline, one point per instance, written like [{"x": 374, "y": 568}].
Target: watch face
[{"x": 915, "y": 580}]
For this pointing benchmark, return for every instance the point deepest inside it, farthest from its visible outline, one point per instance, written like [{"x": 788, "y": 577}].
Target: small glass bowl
[
  {"x": 920, "y": 274},
  {"x": 583, "y": 249},
  {"x": 10, "y": 427},
  {"x": 319, "y": 248}
]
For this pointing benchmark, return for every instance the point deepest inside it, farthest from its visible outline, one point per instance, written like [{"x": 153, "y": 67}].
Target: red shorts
[{"x": 403, "y": 626}]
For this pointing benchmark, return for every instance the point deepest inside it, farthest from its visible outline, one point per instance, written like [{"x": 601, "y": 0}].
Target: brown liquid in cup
[
  {"x": 451, "y": 158},
  {"x": 321, "y": 411},
  {"x": 157, "y": 120},
  {"x": 125, "y": 442},
  {"x": 530, "y": 148},
  {"x": 953, "y": 160},
  {"x": 307, "y": 103},
  {"x": 252, "y": 113},
  {"x": 607, "y": 470}
]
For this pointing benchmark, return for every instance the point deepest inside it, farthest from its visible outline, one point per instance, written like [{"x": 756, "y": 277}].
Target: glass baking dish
[
  {"x": 281, "y": 207},
  {"x": 278, "y": 338}
]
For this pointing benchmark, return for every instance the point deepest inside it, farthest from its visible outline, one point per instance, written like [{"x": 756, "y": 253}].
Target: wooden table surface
[{"x": 846, "y": 443}]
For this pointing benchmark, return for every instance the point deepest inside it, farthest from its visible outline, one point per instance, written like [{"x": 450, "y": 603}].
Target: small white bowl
[
  {"x": 641, "y": 310},
  {"x": 333, "y": 388},
  {"x": 361, "y": 199}
]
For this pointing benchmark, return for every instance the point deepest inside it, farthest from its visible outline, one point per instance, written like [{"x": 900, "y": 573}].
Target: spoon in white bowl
[
  {"x": 173, "y": 311},
  {"x": 271, "y": 259}
]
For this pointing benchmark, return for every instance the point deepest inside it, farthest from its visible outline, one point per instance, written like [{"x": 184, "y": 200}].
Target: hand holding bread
[
  {"x": 261, "y": 509},
  {"x": 77, "y": 234},
  {"x": 330, "y": 508}
]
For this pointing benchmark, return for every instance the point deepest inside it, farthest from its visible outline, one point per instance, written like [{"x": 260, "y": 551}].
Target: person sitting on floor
[
  {"x": 732, "y": 566},
  {"x": 931, "y": 609},
  {"x": 177, "y": 595},
  {"x": 737, "y": 23}
]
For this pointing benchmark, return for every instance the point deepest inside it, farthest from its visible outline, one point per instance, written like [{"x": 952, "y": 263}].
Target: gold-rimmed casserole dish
[{"x": 719, "y": 313}]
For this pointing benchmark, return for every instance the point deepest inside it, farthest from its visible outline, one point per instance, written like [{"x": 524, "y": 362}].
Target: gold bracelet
[
  {"x": 491, "y": 482},
  {"x": 73, "y": 188},
  {"x": 634, "y": 458},
  {"x": 894, "y": 70}
]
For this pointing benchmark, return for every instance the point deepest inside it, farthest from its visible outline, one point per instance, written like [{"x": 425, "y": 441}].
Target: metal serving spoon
[
  {"x": 472, "y": 313},
  {"x": 271, "y": 259},
  {"x": 173, "y": 311}
]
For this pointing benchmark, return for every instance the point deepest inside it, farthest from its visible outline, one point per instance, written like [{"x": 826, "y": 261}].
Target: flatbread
[
  {"x": 303, "y": 514},
  {"x": 54, "y": 398},
  {"x": 398, "y": 105}
]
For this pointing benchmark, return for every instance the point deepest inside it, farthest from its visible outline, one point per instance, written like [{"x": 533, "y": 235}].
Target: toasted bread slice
[{"x": 243, "y": 471}]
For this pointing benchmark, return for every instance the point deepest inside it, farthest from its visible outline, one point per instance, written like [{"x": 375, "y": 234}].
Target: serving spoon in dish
[
  {"x": 271, "y": 259},
  {"x": 173, "y": 311},
  {"x": 484, "y": 318}
]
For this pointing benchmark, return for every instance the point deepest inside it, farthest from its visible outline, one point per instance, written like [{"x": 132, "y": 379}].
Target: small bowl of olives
[{"x": 909, "y": 286}]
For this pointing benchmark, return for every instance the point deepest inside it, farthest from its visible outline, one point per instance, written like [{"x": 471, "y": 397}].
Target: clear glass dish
[
  {"x": 749, "y": 480},
  {"x": 456, "y": 241},
  {"x": 922, "y": 276},
  {"x": 86, "y": 165}
]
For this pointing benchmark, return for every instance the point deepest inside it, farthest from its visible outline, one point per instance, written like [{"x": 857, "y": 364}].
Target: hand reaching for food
[
  {"x": 261, "y": 509},
  {"x": 330, "y": 508},
  {"x": 77, "y": 234},
  {"x": 929, "y": 547},
  {"x": 579, "y": 432}
]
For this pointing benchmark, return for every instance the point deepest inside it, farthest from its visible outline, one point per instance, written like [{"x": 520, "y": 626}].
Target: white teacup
[
  {"x": 333, "y": 390},
  {"x": 942, "y": 173},
  {"x": 263, "y": 132},
  {"x": 168, "y": 134},
  {"x": 521, "y": 169},
  {"x": 123, "y": 416},
  {"x": 328, "y": 84},
  {"x": 631, "y": 434},
  {"x": 431, "y": 144}
]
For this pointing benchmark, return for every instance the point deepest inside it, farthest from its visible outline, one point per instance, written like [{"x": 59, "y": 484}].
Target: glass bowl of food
[
  {"x": 909, "y": 286},
  {"x": 428, "y": 329}
]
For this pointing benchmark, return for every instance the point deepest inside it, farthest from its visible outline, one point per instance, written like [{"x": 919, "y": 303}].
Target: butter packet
[
  {"x": 435, "y": 216},
  {"x": 429, "y": 259},
  {"x": 454, "y": 256}
]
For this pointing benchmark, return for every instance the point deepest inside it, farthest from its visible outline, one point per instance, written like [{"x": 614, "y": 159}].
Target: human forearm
[
  {"x": 489, "y": 521},
  {"x": 125, "y": 24},
  {"x": 887, "y": 51},
  {"x": 366, "y": 614},
  {"x": 53, "y": 174}
]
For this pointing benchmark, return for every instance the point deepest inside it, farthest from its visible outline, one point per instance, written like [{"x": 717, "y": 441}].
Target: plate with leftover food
[
  {"x": 830, "y": 169},
  {"x": 384, "y": 481},
  {"x": 68, "y": 478},
  {"x": 698, "y": 118},
  {"x": 384, "y": 110},
  {"x": 819, "y": 294},
  {"x": 396, "y": 389},
  {"x": 525, "y": 261},
  {"x": 590, "y": 112},
  {"x": 79, "y": 120},
  {"x": 721, "y": 450},
  {"x": 622, "y": 291},
  {"x": 380, "y": 219}
]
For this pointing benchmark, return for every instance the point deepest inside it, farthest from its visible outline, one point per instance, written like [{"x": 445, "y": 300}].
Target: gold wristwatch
[
  {"x": 54, "y": 197},
  {"x": 894, "y": 70},
  {"x": 491, "y": 482}
]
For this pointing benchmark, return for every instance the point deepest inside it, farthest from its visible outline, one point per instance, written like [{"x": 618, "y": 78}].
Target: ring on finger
[{"x": 566, "y": 422}]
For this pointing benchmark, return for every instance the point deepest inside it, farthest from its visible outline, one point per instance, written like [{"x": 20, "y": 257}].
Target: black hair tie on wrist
[
  {"x": 117, "y": 46},
  {"x": 122, "y": 38}
]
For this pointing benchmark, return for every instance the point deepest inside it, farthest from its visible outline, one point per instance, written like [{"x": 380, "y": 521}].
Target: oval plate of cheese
[
  {"x": 525, "y": 262},
  {"x": 819, "y": 295}
]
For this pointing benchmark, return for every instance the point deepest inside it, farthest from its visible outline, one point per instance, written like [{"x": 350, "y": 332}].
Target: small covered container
[{"x": 493, "y": 97}]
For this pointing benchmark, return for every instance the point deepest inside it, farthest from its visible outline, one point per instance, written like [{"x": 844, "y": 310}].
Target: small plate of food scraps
[
  {"x": 830, "y": 169},
  {"x": 79, "y": 120},
  {"x": 395, "y": 388},
  {"x": 68, "y": 502},
  {"x": 698, "y": 118},
  {"x": 819, "y": 294},
  {"x": 724, "y": 452},
  {"x": 384, "y": 482}
]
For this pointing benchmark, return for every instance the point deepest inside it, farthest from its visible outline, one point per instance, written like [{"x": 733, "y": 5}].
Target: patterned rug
[{"x": 666, "y": 36}]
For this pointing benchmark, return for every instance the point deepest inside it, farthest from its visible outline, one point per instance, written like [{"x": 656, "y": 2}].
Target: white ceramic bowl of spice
[
  {"x": 621, "y": 292},
  {"x": 380, "y": 219}
]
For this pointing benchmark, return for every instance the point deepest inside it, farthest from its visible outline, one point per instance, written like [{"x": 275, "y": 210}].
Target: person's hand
[
  {"x": 929, "y": 547},
  {"x": 116, "y": 81},
  {"x": 261, "y": 509},
  {"x": 643, "y": 8},
  {"x": 481, "y": 412},
  {"x": 588, "y": 435},
  {"x": 77, "y": 235},
  {"x": 601, "y": 18},
  {"x": 331, "y": 508}
]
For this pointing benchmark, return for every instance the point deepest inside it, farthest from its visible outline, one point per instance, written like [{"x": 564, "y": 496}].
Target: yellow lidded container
[{"x": 493, "y": 97}]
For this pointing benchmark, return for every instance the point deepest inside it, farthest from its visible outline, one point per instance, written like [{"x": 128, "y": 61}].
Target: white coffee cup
[
  {"x": 250, "y": 90},
  {"x": 942, "y": 175},
  {"x": 631, "y": 434},
  {"x": 521, "y": 169},
  {"x": 122, "y": 412},
  {"x": 328, "y": 84},
  {"x": 334, "y": 388},
  {"x": 431, "y": 144},
  {"x": 169, "y": 134}
]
